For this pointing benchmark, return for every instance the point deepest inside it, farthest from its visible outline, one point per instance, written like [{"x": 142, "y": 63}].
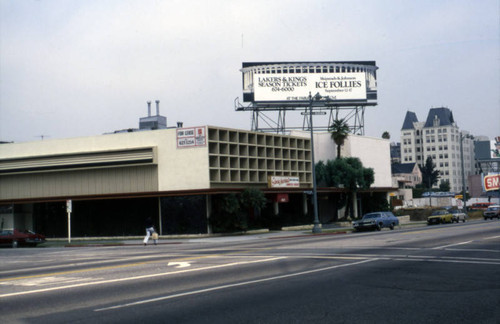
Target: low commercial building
[{"x": 115, "y": 181}]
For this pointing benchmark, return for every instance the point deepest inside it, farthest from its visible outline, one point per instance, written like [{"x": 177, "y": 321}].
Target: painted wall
[
  {"x": 373, "y": 153},
  {"x": 178, "y": 168}
]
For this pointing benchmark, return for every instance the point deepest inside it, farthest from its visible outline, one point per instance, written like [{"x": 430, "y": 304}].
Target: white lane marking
[
  {"x": 137, "y": 277},
  {"x": 107, "y": 260},
  {"x": 475, "y": 250},
  {"x": 45, "y": 281},
  {"x": 244, "y": 283},
  {"x": 450, "y": 261},
  {"x": 445, "y": 246},
  {"x": 492, "y": 237}
]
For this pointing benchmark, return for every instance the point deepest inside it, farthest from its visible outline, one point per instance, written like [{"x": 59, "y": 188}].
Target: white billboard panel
[{"x": 297, "y": 87}]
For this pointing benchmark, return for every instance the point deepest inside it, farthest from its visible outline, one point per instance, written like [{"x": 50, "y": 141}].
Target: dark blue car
[{"x": 376, "y": 220}]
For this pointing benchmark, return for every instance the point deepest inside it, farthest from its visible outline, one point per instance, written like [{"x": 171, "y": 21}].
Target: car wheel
[
  {"x": 14, "y": 244},
  {"x": 379, "y": 227},
  {"x": 391, "y": 226}
]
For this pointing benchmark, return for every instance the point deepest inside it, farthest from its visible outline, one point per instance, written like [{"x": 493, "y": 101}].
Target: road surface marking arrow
[{"x": 179, "y": 264}]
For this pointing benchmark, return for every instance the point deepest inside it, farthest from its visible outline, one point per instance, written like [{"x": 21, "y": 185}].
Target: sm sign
[{"x": 491, "y": 182}]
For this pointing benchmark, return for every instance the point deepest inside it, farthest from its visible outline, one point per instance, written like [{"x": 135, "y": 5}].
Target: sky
[{"x": 84, "y": 68}]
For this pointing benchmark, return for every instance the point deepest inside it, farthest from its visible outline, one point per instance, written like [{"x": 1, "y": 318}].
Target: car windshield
[
  {"x": 493, "y": 208},
  {"x": 439, "y": 212},
  {"x": 368, "y": 216}
]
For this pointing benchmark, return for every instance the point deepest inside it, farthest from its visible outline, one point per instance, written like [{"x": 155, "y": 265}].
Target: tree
[
  {"x": 339, "y": 130},
  {"x": 253, "y": 199},
  {"x": 320, "y": 170},
  {"x": 430, "y": 175},
  {"x": 348, "y": 172},
  {"x": 444, "y": 185},
  {"x": 225, "y": 215},
  {"x": 386, "y": 135}
]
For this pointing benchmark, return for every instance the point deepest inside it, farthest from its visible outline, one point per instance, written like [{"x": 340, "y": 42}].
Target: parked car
[
  {"x": 459, "y": 215},
  {"x": 376, "y": 220},
  {"x": 440, "y": 216},
  {"x": 15, "y": 238},
  {"x": 481, "y": 206},
  {"x": 492, "y": 212}
]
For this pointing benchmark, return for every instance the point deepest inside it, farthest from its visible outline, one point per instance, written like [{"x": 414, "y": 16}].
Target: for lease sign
[
  {"x": 296, "y": 87},
  {"x": 190, "y": 137},
  {"x": 491, "y": 182}
]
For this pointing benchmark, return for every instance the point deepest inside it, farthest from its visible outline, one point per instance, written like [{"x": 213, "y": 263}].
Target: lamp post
[
  {"x": 316, "y": 228},
  {"x": 462, "y": 136}
]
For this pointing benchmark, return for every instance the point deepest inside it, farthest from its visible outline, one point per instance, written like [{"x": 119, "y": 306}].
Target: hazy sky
[{"x": 78, "y": 68}]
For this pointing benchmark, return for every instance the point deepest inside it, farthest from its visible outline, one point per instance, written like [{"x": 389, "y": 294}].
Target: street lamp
[
  {"x": 316, "y": 228},
  {"x": 462, "y": 136}
]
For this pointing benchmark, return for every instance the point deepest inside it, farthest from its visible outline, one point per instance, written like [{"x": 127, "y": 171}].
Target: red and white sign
[
  {"x": 191, "y": 137},
  {"x": 283, "y": 182},
  {"x": 282, "y": 198},
  {"x": 491, "y": 182}
]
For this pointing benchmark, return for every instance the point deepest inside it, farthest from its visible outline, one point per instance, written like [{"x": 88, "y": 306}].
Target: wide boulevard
[{"x": 428, "y": 274}]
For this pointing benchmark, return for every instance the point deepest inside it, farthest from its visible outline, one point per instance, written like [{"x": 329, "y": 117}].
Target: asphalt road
[{"x": 437, "y": 274}]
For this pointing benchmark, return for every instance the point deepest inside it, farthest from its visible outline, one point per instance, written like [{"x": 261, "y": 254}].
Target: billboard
[
  {"x": 297, "y": 87},
  {"x": 345, "y": 83}
]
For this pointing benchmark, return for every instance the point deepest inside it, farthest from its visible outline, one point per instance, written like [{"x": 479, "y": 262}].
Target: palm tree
[
  {"x": 386, "y": 135},
  {"x": 339, "y": 130}
]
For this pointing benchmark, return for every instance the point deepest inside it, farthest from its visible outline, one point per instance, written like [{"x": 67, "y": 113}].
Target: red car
[{"x": 15, "y": 238}]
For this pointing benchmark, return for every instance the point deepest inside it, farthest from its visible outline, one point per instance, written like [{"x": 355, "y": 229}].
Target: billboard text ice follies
[{"x": 297, "y": 87}]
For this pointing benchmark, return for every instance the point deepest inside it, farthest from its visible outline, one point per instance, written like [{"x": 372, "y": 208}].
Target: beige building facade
[{"x": 172, "y": 174}]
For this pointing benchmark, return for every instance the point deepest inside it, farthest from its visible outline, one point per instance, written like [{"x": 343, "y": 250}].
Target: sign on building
[
  {"x": 283, "y": 182},
  {"x": 191, "y": 137},
  {"x": 491, "y": 182}
]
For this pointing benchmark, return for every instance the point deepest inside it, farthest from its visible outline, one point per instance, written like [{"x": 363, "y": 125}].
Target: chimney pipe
[
  {"x": 149, "y": 108},
  {"x": 157, "y": 107}
]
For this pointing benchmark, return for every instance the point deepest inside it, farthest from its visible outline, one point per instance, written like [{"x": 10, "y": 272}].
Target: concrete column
[
  {"x": 209, "y": 211},
  {"x": 160, "y": 226},
  {"x": 304, "y": 204}
]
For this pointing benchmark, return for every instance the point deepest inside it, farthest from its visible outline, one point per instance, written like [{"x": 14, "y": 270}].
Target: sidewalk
[{"x": 296, "y": 231}]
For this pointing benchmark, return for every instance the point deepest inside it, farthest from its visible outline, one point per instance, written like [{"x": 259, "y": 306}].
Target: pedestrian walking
[{"x": 150, "y": 231}]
